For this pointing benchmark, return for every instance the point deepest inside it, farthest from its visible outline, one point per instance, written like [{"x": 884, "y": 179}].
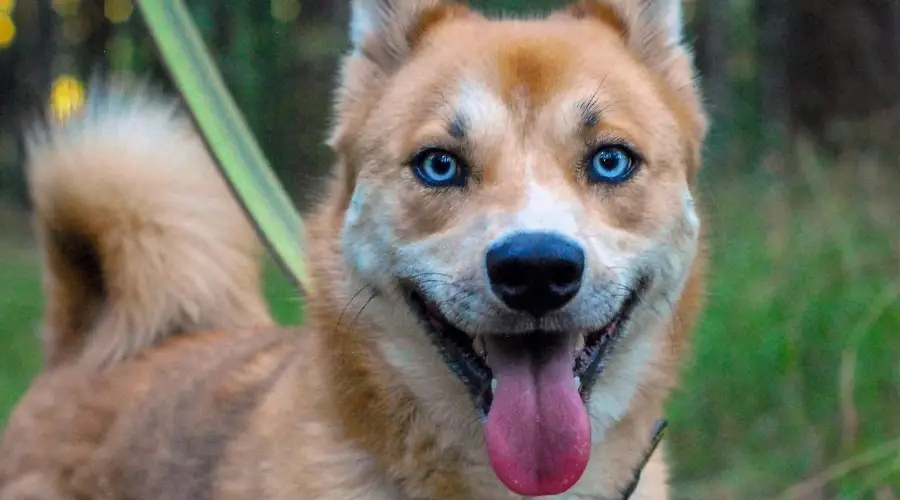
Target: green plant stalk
[{"x": 227, "y": 135}]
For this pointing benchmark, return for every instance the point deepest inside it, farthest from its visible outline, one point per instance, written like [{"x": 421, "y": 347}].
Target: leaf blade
[{"x": 227, "y": 135}]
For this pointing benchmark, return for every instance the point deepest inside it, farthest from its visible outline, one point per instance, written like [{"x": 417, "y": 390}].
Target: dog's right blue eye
[{"x": 438, "y": 168}]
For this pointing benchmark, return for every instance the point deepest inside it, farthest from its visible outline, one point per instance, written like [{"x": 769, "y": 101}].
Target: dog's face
[{"x": 519, "y": 197}]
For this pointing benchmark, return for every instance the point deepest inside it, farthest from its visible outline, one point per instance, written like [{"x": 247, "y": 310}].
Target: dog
[{"x": 506, "y": 266}]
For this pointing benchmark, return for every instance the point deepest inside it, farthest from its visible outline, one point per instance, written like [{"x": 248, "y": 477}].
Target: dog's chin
[{"x": 468, "y": 354}]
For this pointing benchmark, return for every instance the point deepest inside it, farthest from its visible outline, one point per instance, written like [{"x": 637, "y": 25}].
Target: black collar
[{"x": 658, "y": 432}]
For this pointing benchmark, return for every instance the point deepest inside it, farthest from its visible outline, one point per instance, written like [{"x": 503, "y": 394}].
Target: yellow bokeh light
[
  {"x": 117, "y": 11},
  {"x": 66, "y": 97},
  {"x": 7, "y": 5},
  {"x": 7, "y": 30}
]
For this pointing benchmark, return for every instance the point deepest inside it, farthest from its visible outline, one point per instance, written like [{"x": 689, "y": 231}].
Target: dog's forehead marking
[
  {"x": 544, "y": 209},
  {"x": 484, "y": 112},
  {"x": 489, "y": 116},
  {"x": 532, "y": 70}
]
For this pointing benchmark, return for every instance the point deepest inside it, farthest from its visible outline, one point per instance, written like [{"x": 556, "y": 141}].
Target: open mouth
[
  {"x": 467, "y": 357},
  {"x": 530, "y": 391}
]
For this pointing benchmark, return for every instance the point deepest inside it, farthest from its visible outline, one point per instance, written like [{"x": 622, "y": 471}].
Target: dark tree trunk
[{"x": 843, "y": 69}]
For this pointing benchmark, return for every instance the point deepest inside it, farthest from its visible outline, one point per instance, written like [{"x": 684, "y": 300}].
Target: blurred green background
[{"x": 793, "y": 386}]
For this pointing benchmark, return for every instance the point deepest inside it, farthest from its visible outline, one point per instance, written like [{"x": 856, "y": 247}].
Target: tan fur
[
  {"x": 131, "y": 256},
  {"x": 357, "y": 404}
]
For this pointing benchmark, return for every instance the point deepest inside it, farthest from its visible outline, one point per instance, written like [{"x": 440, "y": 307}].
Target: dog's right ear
[
  {"x": 387, "y": 31},
  {"x": 384, "y": 34}
]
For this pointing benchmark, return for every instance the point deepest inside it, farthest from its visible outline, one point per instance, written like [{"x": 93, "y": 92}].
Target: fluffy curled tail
[{"x": 141, "y": 237}]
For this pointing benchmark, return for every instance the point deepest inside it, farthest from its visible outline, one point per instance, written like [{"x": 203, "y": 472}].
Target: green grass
[
  {"x": 794, "y": 373},
  {"x": 20, "y": 308},
  {"x": 795, "y": 366}
]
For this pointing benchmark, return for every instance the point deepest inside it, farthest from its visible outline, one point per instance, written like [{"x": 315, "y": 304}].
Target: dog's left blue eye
[
  {"x": 612, "y": 165},
  {"x": 437, "y": 168}
]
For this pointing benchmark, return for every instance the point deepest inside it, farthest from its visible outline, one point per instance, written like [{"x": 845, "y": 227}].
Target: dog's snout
[{"x": 535, "y": 272}]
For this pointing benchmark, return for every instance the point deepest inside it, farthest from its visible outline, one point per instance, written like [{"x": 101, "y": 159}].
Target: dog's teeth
[
  {"x": 479, "y": 347},
  {"x": 579, "y": 343},
  {"x": 577, "y": 383},
  {"x": 493, "y": 384}
]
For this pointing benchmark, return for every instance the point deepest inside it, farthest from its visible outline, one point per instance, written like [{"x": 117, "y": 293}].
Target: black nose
[{"x": 535, "y": 272}]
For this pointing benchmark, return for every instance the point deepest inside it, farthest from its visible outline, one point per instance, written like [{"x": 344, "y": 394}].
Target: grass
[
  {"x": 794, "y": 369},
  {"x": 20, "y": 306},
  {"x": 794, "y": 386}
]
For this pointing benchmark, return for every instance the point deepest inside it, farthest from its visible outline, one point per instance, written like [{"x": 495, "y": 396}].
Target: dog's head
[{"x": 518, "y": 195}]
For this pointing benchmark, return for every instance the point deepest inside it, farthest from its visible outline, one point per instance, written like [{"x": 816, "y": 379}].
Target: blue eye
[
  {"x": 437, "y": 168},
  {"x": 612, "y": 165}
]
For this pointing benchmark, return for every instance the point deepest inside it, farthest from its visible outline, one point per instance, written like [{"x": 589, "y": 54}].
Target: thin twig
[{"x": 842, "y": 469}]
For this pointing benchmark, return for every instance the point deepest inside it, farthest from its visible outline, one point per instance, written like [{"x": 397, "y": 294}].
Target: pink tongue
[{"x": 538, "y": 434}]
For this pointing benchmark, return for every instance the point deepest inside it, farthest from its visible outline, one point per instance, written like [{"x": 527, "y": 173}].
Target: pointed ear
[
  {"x": 652, "y": 28},
  {"x": 384, "y": 34},
  {"x": 386, "y": 31}
]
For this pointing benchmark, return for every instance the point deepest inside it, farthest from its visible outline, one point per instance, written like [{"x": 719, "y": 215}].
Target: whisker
[
  {"x": 361, "y": 309},
  {"x": 344, "y": 310}
]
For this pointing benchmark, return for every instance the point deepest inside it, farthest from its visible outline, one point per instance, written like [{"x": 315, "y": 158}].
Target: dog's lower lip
[
  {"x": 600, "y": 343},
  {"x": 456, "y": 347}
]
